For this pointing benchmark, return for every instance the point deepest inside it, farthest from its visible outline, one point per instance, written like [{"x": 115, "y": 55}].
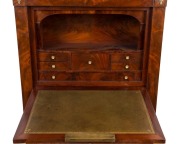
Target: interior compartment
[{"x": 86, "y": 31}]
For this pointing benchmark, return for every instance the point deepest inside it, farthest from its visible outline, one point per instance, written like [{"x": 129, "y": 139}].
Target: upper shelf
[
  {"x": 92, "y": 3},
  {"x": 90, "y": 31}
]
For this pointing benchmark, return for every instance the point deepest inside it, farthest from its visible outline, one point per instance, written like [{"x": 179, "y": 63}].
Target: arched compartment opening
[{"x": 86, "y": 31}]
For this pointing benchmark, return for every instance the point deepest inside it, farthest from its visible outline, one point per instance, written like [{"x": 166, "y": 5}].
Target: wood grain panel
[
  {"x": 97, "y": 3},
  {"x": 60, "y": 66},
  {"x": 97, "y": 76},
  {"x": 22, "y": 25},
  {"x": 58, "y": 76},
  {"x": 91, "y": 61},
  {"x": 133, "y": 57},
  {"x": 58, "y": 56},
  {"x": 126, "y": 66},
  {"x": 90, "y": 76},
  {"x": 42, "y": 12},
  {"x": 155, "y": 52},
  {"x": 72, "y": 31}
]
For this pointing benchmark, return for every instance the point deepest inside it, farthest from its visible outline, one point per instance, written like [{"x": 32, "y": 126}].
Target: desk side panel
[{"x": 22, "y": 27}]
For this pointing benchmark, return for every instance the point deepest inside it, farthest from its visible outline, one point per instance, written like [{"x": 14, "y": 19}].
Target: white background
[{"x": 168, "y": 106}]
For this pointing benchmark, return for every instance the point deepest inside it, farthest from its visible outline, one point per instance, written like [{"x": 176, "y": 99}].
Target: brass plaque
[
  {"x": 89, "y": 111},
  {"x": 89, "y": 137}
]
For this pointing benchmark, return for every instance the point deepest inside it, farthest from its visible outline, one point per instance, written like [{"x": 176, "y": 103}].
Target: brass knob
[
  {"x": 89, "y": 62},
  {"x": 126, "y": 66},
  {"x": 53, "y": 57},
  {"x": 53, "y": 66},
  {"x": 53, "y": 77},
  {"x": 126, "y": 77},
  {"x": 127, "y": 57}
]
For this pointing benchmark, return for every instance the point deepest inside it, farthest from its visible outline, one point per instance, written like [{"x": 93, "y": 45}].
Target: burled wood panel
[{"x": 21, "y": 14}]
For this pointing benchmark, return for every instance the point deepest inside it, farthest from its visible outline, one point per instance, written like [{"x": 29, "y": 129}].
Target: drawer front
[
  {"x": 111, "y": 76},
  {"x": 51, "y": 66},
  {"x": 130, "y": 76},
  {"x": 55, "y": 76},
  {"x": 91, "y": 76},
  {"x": 126, "y": 66},
  {"x": 92, "y": 62},
  {"x": 53, "y": 56},
  {"x": 135, "y": 57}
]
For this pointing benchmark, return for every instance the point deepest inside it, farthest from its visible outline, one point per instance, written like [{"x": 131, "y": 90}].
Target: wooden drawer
[
  {"x": 60, "y": 66},
  {"x": 130, "y": 76},
  {"x": 55, "y": 76},
  {"x": 90, "y": 76},
  {"x": 126, "y": 66},
  {"x": 133, "y": 57},
  {"x": 53, "y": 56},
  {"x": 109, "y": 76},
  {"x": 92, "y": 61}
]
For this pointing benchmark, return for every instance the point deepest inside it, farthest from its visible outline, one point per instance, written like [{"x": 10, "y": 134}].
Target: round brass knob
[
  {"x": 53, "y": 77},
  {"x": 127, "y": 57},
  {"x": 53, "y": 57},
  {"x": 126, "y": 66},
  {"x": 53, "y": 66},
  {"x": 126, "y": 77},
  {"x": 89, "y": 62}
]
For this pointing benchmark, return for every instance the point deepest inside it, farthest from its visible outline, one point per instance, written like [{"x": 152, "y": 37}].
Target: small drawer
[
  {"x": 53, "y": 56},
  {"x": 134, "y": 57},
  {"x": 109, "y": 76},
  {"x": 130, "y": 76},
  {"x": 92, "y": 62},
  {"x": 60, "y": 66},
  {"x": 126, "y": 66},
  {"x": 55, "y": 76}
]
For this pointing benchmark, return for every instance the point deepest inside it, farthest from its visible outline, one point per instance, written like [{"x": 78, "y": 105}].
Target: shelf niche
[{"x": 90, "y": 32}]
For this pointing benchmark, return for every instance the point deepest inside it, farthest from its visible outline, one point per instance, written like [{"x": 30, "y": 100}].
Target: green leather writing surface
[{"x": 89, "y": 111}]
